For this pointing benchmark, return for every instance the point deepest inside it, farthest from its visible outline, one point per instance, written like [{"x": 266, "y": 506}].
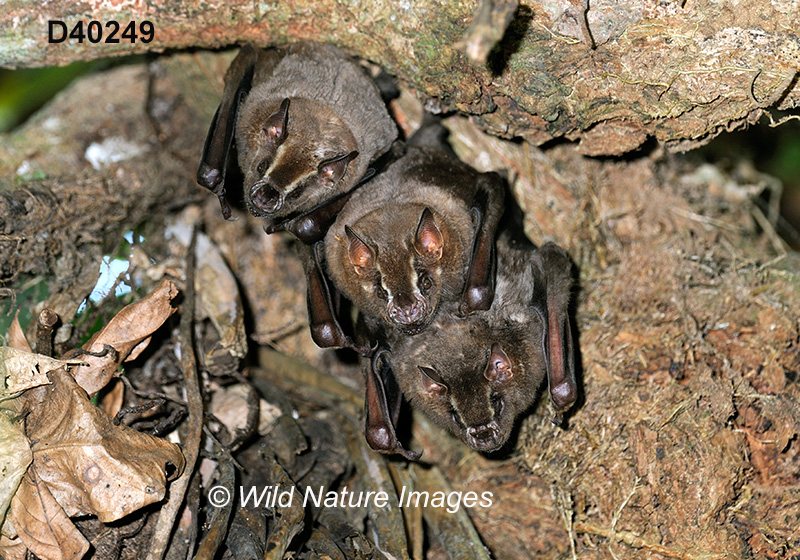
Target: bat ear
[
  {"x": 331, "y": 170},
  {"x": 276, "y": 125},
  {"x": 361, "y": 255},
  {"x": 432, "y": 381},
  {"x": 499, "y": 368},
  {"x": 428, "y": 240},
  {"x": 551, "y": 300}
]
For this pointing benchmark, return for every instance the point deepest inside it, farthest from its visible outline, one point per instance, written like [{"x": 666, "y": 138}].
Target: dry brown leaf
[
  {"x": 12, "y": 549},
  {"x": 217, "y": 290},
  {"x": 130, "y": 327},
  {"x": 90, "y": 465},
  {"x": 42, "y": 524},
  {"x": 15, "y": 456},
  {"x": 16, "y": 336},
  {"x": 20, "y": 370},
  {"x": 114, "y": 398},
  {"x": 229, "y": 405}
]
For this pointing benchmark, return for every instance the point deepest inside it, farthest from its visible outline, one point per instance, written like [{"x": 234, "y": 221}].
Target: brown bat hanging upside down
[
  {"x": 475, "y": 375},
  {"x": 306, "y": 122},
  {"x": 419, "y": 235}
]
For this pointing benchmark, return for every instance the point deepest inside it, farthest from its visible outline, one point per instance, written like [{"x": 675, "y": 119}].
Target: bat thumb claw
[
  {"x": 269, "y": 229},
  {"x": 226, "y": 209},
  {"x": 383, "y": 440}
]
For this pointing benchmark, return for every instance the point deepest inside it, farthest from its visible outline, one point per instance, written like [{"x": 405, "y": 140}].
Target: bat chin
[
  {"x": 485, "y": 448},
  {"x": 486, "y": 438},
  {"x": 411, "y": 329}
]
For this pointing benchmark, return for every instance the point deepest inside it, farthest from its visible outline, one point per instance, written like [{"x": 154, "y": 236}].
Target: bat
[
  {"x": 475, "y": 375},
  {"x": 420, "y": 233},
  {"x": 306, "y": 122}
]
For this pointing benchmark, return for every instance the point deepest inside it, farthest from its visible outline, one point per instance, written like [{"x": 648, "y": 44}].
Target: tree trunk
[
  {"x": 684, "y": 444},
  {"x": 608, "y": 74}
]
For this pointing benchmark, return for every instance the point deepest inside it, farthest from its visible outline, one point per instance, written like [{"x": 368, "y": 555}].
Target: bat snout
[
  {"x": 485, "y": 437},
  {"x": 407, "y": 310},
  {"x": 265, "y": 199}
]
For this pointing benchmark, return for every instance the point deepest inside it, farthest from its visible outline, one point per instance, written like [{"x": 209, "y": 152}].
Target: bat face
[
  {"x": 403, "y": 243},
  {"x": 471, "y": 378},
  {"x": 294, "y": 156},
  {"x": 306, "y": 122},
  {"x": 395, "y": 264},
  {"x": 475, "y": 375}
]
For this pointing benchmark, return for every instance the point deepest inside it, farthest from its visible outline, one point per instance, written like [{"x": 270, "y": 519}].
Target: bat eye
[
  {"x": 497, "y": 404},
  {"x": 456, "y": 419},
  {"x": 262, "y": 167},
  {"x": 381, "y": 293},
  {"x": 425, "y": 282}
]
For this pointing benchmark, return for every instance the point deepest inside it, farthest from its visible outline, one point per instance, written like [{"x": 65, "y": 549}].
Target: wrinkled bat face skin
[
  {"x": 471, "y": 378},
  {"x": 400, "y": 277},
  {"x": 294, "y": 156}
]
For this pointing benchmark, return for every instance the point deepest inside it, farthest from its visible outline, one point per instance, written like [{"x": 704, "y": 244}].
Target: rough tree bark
[
  {"x": 608, "y": 74},
  {"x": 685, "y": 442}
]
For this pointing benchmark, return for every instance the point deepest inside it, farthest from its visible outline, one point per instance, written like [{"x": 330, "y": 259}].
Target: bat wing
[
  {"x": 551, "y": 299},
  {"x": 381, "y": 414}
]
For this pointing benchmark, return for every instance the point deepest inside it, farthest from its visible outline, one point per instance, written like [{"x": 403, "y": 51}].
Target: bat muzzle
[
  {"x": 486, "y": 437},
  {"x": 265, "y": 200},
  {"x": 408, "y": 311}
]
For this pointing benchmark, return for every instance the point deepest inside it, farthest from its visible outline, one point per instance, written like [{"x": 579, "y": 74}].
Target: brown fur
[
  {"x": 385, "y": 215},
  {"x": 460, "y": 392},
  {"x": 335, "y": 109}
]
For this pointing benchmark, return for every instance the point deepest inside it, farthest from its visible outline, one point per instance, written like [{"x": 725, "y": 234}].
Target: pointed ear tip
[
  {"x": 497, "y": 349},
  {"x": 429, "y": 218}
]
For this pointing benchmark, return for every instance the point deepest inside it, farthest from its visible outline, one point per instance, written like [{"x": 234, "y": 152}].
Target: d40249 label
[{"x": 97, "y": 32}]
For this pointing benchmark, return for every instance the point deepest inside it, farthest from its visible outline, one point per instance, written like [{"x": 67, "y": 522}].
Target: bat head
[
  {"x": 399, "y": 276},
  {"x": 471, "y": 379},
  {"x": 294, "y": 156}
]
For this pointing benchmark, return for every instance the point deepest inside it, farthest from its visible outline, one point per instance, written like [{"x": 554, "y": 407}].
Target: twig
[
  {"x": 455, "y": 530},
  {"x": 291, "y": 374},
  {"x": 218, "y": 525},
  {"x": 491, "y": 20},
  {"x": 638, "y": 542},
  {"x": 706, "y": 220},
  {"x": 223, "y": 450},
  {"x": 567, "y": 512},
  {"x": 412, "y": 516},
  {"x": 194, "y": 423},
  {"x": 151, "y": 395},
  {"x": 618, "y": 513},
  {"x": 288, "y": 521},
  {"x": 135, "y": 409},
  {"x": 773, "y": 123},
  {"x": 44, "y": 332},
  {"x": 775, "y": 240}
]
